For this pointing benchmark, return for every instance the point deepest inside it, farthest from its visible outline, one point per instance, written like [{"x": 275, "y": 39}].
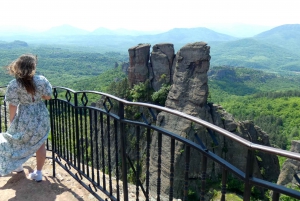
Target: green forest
[
  {"x": 62, "y": 66},
  {"x": 271, "y": 101}
]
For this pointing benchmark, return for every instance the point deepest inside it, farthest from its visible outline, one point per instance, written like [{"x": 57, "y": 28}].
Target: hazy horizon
[
  {"x": 237, "y": 30},
  {"x": 156, "y": 15}
]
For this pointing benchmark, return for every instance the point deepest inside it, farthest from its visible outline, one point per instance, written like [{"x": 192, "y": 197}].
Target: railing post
[
  {"x": 123, "y": 152},
  {"x": 248, "y": 175}
]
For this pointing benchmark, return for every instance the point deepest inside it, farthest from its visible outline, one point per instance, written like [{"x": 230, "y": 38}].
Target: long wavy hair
[{"x": 24, "y": 69}]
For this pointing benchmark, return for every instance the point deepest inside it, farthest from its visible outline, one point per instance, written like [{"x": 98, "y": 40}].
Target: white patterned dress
[{"x": 30, "y": 126}]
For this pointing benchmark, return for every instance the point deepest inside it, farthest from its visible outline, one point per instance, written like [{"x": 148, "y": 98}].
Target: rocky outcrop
[
  {"x": 190, "y": 89},
  {"x": 187, "y": 73},
  {"x": 161, "y": 59},
  {"x": 189, "y": 94},
  {"x": 290, "y": 169},
  {"x": 138, "y": 64},
  {"x": 157, "y": 66}
]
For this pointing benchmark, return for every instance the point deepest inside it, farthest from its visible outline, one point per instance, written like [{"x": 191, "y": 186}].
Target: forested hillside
[
  {"x": 270, "y": 100},
  {"x": 62, "y": 66}
]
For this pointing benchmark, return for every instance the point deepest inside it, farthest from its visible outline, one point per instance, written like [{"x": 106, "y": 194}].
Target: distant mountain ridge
[
  {"x": 277, "y": 49},
  {"x": 65, "y": 30}
]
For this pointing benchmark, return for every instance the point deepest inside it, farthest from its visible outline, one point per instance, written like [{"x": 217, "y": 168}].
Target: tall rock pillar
[
  {"x": 162, "y": 57},
  {"x": 138, "y": 70},
  {"x": 188, "y": 94}
]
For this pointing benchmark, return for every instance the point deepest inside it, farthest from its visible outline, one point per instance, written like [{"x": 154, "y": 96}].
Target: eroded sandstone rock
[
  {"x": 138, "y": 64},
  {"x": 161, "y": 58},
  {"x": 189, "y": 94}
]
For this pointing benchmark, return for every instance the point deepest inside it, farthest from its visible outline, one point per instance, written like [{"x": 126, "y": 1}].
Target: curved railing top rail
[{"x": 222, "y": 131}]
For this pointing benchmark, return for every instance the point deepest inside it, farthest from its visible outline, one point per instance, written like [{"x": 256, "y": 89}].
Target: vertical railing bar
[
  {"x": 77, "y": 129},
  {"x": 56, "y": 126},
  {"x": 47, "y": 104},
  {"x": 109, "y": 153},
  {"x": 65, "y": 131},
  {"x": 86, "y": 141},
  {"x": 172, "y": 160},
  {"x": 69, "y": 133},
  {"x": 123, "y": 152},
  {"x": 96, "y": 145},
  {"x": 102, "y": 151},
  {"x": 159, "y": 151},
  {"x": 58, "y": 151},
  {"x": 62, "y": 132},
  {"x": 91, "y": 142},
  {"x": 52, "y": 136},
  {"x": 224, "y": 180},
  {"x": 248, "y": 175},
  {"x": 74, "y": 135},
  {"x": 203, "y": 177},
  {"x": 117, "y": 158},
  {"x": 81, "y": 141},
  {"x": 138, "y": 132},
  {"x": 187, "y": 169},
  {"x": 148, "y": 163},
  {"x": 275, "y": 196}
]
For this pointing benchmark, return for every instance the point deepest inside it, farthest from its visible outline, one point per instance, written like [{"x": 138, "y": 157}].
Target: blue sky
[{"x": 148, "y": 15}]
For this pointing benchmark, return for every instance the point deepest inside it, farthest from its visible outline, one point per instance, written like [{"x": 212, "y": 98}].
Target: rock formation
[
  {"x": 158, "y": 71},
  {"x": 161, "y": 59},
  {"x": 138, "y": 64},
  {"x": 290, "y": 169},
  {"x": 187, "y": 74},
  {"x": 189, "y": 94}
]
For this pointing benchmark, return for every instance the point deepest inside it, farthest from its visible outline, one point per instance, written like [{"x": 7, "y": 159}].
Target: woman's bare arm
[{"x": 12, "y": 112}]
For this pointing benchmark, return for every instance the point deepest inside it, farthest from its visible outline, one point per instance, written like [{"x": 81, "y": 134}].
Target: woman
[{"x": 29, "y": 118}]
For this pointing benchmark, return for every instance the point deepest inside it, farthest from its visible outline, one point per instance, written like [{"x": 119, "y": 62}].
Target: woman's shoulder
[
  {"x": 12, "y": 82},
  {"x": 39, "y": 78}
]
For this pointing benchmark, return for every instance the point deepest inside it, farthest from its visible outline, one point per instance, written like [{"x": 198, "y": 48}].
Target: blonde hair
[{"x": 23, "y": 69}]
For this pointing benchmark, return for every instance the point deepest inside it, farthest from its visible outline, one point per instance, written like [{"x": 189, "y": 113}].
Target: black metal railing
[{"x": 110, "y": 145}]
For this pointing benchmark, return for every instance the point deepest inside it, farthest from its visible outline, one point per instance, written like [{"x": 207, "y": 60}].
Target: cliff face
[{"x": 188, "y": 94}]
